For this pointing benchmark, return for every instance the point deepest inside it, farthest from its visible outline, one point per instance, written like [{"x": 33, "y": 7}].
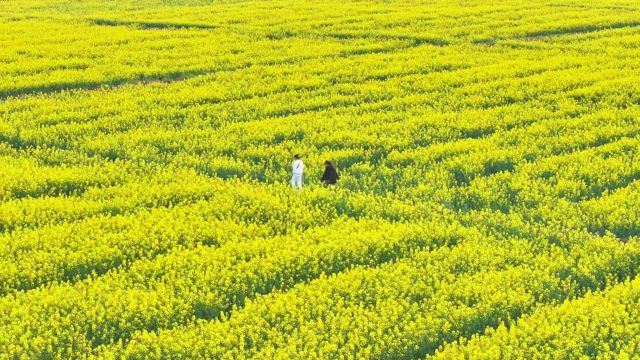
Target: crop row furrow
[
  {"x": 599, "y": 325},
  {"x": 206, "y": 283},
  {"x": 401, "y": 310}
]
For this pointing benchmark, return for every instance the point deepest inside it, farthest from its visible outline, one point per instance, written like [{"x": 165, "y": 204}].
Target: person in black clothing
[{"x": 330, "y": 176}]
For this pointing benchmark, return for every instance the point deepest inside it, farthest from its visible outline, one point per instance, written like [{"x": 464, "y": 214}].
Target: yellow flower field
[{"x": 488, "y": 205}]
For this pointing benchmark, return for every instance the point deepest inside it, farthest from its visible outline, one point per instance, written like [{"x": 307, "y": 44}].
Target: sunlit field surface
[{"x": 488, "y": 206}]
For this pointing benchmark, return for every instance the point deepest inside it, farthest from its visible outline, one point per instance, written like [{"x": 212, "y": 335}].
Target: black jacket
[{"x": 330, "y": 175}]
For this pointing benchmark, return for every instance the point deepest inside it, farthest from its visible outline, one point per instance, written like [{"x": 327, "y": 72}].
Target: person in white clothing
[{"x": 298, "y": 170}]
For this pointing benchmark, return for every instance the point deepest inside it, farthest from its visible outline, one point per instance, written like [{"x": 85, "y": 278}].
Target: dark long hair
[{"x": 329, "y": 164}]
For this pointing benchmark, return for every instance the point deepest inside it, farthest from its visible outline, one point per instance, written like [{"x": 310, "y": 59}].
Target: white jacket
[{"x": 298, "y": 166}]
